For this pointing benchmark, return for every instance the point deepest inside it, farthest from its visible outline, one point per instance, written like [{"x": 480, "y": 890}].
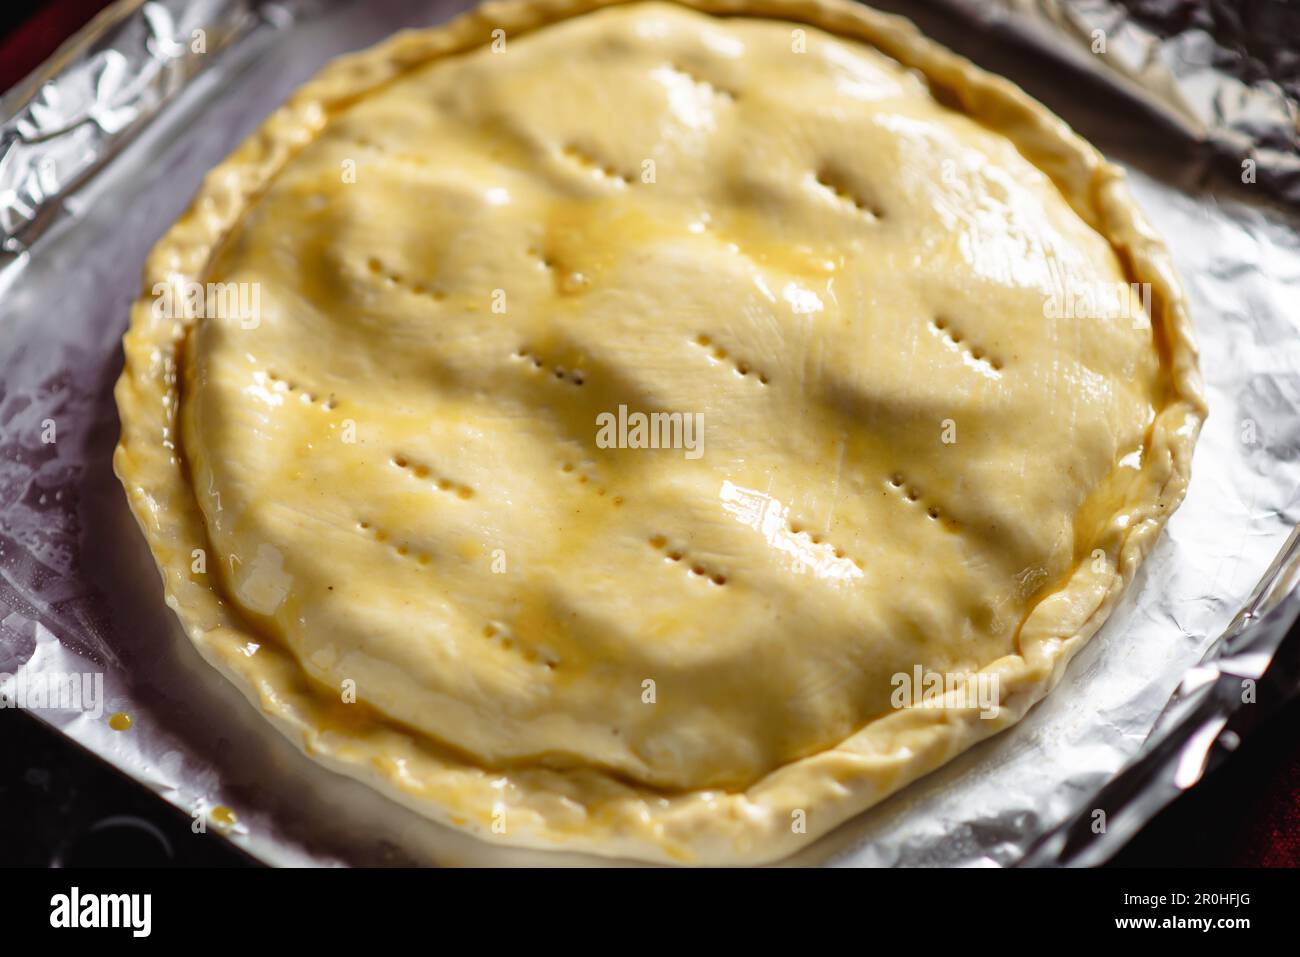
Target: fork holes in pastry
[
  {"x": 954, "y": 339},
  {"x": 585, "y": 479},
  {"x": 742, "y": 367},
  {"x": 818, "y": 540},
  {"x": 696, "y": 569},
  {"x": 573, "y": 376},
  {"x": 932, "y": 511},
  {"x": 507, "y": 642},
  {"x": 586, "y": 160},
  {"x": 422, "y": 472},
  {"x": 720, "y": 92},
  {"x": 394, "y": 278},
  {"x": 280, "y": 383},
  {"x": 835, "y": 184},
  {"x": 401, "y": 549}
]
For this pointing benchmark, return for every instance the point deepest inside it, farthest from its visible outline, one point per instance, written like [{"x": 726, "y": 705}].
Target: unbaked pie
[{"x": 608, "y": 409}]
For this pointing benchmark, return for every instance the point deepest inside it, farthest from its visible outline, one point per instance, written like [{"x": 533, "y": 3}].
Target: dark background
[{"x": 59, "y": 804}]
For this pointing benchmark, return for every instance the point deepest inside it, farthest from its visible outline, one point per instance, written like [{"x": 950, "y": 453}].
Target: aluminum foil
[
  {"x": 101, "y": 151},
  {"x": 1227, "y": 72}
]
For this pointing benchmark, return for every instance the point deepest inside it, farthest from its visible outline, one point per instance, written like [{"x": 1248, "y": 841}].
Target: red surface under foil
[
  {"x": 25, "y": 43},
  {"x": 1274, "y": 840}
]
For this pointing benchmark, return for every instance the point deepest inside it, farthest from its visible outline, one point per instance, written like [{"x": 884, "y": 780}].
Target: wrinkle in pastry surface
[{"x": 904, "y": 454}]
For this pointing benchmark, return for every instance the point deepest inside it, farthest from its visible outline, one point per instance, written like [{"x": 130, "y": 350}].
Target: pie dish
[{"x": 402, "y": 505}]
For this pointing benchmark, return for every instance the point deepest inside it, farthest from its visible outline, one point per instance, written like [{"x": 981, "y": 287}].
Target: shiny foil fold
[{"x": 101, "y": 150}]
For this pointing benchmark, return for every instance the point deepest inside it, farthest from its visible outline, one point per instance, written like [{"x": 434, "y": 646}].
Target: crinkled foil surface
[{"x": 102, "y": 149}]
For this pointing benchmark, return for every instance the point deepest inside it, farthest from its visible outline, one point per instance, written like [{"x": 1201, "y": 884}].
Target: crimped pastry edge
[{"x": 586, "y": 810}]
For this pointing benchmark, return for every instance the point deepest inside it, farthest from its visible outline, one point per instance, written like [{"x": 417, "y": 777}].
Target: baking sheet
[{"x": 92, "y": 178}]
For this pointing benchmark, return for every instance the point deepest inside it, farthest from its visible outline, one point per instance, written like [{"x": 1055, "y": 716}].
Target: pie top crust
[{"x": 829, "y": 236}]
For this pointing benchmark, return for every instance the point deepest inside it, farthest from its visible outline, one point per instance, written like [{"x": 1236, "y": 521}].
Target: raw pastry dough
[{"x": 855, "y": 255}]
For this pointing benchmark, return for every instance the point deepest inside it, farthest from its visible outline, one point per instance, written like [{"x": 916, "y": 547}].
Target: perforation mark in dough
[
  {"x": 277, "y": 383},
  {"x": 574, "y": 377},
  {"x": 568, "y": 282},
  {"x": 583, "y": 478},
  {"x": 694, "y": 568},
  {"x": 402, "y": 549},
  {"x": 502, "y": 635},
  {"x": 911, "y": 494},
  {"x": 954, "y": 339},
  {"x": 721, "y": 92},
  {"x": 835, "y": 184},
  {"x": 378, "y": 269},
  {"x": 587, "y": 162},
  {"x": 719, "y": 354},
  {"x": 797, "y": 528},
  {"x": 442, "y": 483}
]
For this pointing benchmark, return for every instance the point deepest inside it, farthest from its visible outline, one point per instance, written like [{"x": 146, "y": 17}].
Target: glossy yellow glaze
[
  {"x": 907, "y": 460},
  {"x": 224, "y": 817}
]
